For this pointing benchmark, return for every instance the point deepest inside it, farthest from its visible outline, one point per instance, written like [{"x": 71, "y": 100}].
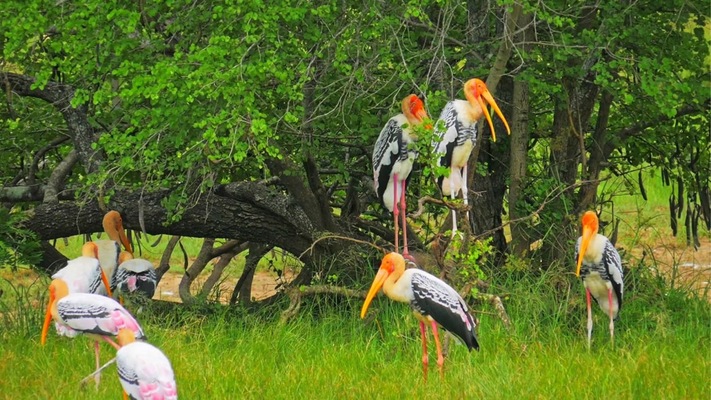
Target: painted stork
[
  {"x": 433, "y": 302},
  {"x": 393, "y": 156},
  {"x": 144, "y": 371},
  {"x": 110, "y": 249},
  {"x": 92, "y": 314},
  {"x": 601, "y": 271},
  {"x": 458, "y": 135},
  {"x": 135, "y": 275},
  {"x": 84, "y": 274}
]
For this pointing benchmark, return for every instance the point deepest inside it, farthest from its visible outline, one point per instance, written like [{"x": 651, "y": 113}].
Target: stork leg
[
  {"x": 451, "y": 194},
  {"x": 396, "y": 211},
  {"x": 440, "y": 357},
  {"x": 425, "y": 359},
  {"x": 97, "y": 377},
  {"x": 590, "y": 324},
  {"x": 403, "y": 213},
  {"x": 465, "y": 190},
  {"x": 109, "y": 341},
  {"x": 612, "y": 321}
]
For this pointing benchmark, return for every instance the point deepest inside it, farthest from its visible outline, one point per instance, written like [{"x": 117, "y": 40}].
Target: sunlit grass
[{"x": 662, "y": 348}]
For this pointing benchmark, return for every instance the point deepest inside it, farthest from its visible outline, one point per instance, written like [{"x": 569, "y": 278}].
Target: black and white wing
[
  {"x": 93, "y": 313},
  {"x": 385, "y": 153},
  {"x": 613, "y": 264},
  {"x": 136, "y": 275},
  {"x": 436, "y": 299},
  {"x": 450, "y": 133}
]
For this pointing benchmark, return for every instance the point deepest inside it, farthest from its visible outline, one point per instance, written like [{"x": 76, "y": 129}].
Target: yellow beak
[
  {"x": 47, "y": 318},
  {"x": 584, "y": 243},
  {"x": 380, "y": 278},
  {"x": 490, "y": 99}
]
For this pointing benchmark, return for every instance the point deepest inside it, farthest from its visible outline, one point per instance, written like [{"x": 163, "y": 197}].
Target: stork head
[
  {"x": 58, "y": 289},
  {"x": 391, "y": 263},
  {"x": 590, "y": 226},
  {"x": 125, "y": 336},
  {"x": 414, "y": 110},
  {"x": 90, "y": 249},
  {"x": 113, "y": 226},
  {"x": 478, "y": 95}
]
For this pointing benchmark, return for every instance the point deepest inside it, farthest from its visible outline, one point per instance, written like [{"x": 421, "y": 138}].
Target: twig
[
  {"x": 311, "y": 248},
  {"x": 296, "y": 293},
  {"x": 85, "y": 380}
]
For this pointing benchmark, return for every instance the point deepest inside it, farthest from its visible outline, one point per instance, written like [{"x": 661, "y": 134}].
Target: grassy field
[{"x": 662, "y": 349}]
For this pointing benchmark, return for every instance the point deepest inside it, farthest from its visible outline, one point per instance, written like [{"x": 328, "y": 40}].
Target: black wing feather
[{"x": 435, "y": 299}]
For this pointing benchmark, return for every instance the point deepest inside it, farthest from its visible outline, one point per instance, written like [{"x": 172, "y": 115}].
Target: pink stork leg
[
  {"x": 612, "y": 321},
  {"x": 452, "y": 196},
  {"x": 425, "y": 359},
  {"x": 440, "y": 357},
  {"x": 465, "y": 190},
  {"x": 590, "y": 325},
  {"x": 396, "y": 211},
  {"x": 403, "y": 213},
  {"x": 97, "y": 377}
]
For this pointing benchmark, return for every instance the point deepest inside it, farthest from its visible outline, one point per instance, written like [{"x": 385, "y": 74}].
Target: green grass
[{"x": 662, "y": 349}]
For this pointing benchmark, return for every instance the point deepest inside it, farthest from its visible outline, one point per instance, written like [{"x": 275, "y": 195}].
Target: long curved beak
[
  {"x": 584, "y": 243},
  {"x": 47, "y": 318},
  {"x": 124, "y": 239},
  {"x": 490, "y": 99},
  {"x": 106, "y": 282},
  {"x": 380, "y": 278}
]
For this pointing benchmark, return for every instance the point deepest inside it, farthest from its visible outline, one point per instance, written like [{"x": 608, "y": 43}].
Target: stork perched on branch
[
  {"x": 432, "y": 300},
  {"x": 393, "y": 156},
  {"x": 601, "y": 271},
  {"x": 458, "y": 135}
]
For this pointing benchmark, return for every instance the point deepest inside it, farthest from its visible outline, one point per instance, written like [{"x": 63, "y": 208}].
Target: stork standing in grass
[
  {"x": 97, "y": 316},
  {"x": 600, "y": 266},
  {"x": 84, "y": 274},
  {"x": 144, "y": 371},
  {"x": 433, "y": 302},
  {"x": 393, "y": 156},
  {"x": 457, "y": 135}
]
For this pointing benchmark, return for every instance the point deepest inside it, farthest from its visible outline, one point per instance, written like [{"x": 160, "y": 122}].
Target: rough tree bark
[{"x": 519, "y": 143}]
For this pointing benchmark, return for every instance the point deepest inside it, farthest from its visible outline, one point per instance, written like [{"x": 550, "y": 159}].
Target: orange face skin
[
  {"x": 590, "y": 228},
  {"x": 414, "y": 110},
  {"x": 113, "y": 226}
]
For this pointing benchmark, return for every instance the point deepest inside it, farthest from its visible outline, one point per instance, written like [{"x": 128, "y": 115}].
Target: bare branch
[{"x": 56, "y": 180}]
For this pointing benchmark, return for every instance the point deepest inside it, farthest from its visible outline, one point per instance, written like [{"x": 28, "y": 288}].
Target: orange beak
[
  {"x": 124, "y": 239},
  {"x": 106, "y": 282},
  {"x": 47, "y": 317},
  {"x": 490, "y": 99},
  {"x": 380, "y": 278},
  {"x": 588, "y": 233}
]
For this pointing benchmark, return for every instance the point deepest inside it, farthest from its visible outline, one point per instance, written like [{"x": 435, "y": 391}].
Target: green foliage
[{"x": 18, "y": 246}]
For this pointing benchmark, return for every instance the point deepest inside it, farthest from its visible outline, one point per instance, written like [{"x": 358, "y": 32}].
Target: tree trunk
[
  {"x": 520, "y": 242},
  {"x": 243, "y": 289}
]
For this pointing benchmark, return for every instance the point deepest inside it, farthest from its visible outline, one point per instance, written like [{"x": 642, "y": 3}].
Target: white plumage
[
  {"x": 145, "y": 372},
  {"x": 83, "y": 274}
]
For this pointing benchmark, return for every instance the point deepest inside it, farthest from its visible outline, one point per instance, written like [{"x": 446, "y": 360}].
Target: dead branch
[
  {"x": 164, "y": 265},
  {"x": 295, "y": 294}
]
